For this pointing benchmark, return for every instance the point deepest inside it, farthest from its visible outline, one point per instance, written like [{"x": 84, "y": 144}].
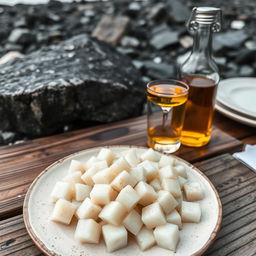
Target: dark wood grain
[
  {"x": 250, "y": 140},
  {"x": 14, "y": 239},
  {"x": 233, "y": 128},
  {"x": 236, "y": 186},
  {"x": 21, "y": 163},
  {"x": 237, "y": 190}
]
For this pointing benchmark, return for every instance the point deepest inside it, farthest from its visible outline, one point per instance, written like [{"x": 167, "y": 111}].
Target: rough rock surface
[{"x": 79, "y": 79}]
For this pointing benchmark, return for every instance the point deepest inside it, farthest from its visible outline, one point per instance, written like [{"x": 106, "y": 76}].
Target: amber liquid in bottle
[{"x": 197, "y": 125}]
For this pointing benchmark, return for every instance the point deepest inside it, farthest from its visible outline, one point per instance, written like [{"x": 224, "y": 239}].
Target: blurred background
[
  {"x": 156, "y": 36},
  {"x": 151, "y": 33}
]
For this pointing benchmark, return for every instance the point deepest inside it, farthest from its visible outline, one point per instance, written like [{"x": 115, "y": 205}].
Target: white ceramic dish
[
  {"x": 57, "y": 239},
  {"x": 234, "y": 115},
  {"x": 239, "y": 94}
]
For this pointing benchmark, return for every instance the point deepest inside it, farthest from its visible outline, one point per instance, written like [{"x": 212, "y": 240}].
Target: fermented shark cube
[
  {"x": 152, "y": 216},
  {"x": 88, "y": 231},
  {"x": 113, "y": 213},
  {"x": 115, "y": 237},
  {"x": 128, "y": 197},
  {"x": 88, "y": 210},
  {"x": 167, "y": 236},
  {"x": 133, "y": 222},
  {"x": 63, "y": 211},
  {"x": 145, "y": 238}
]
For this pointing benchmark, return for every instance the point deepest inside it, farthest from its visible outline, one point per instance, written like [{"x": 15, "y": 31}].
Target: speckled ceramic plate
[
  {"x": 234, "y": 115},
  {"x": 238, "y": 94},
  {"x": 57, "y": 239}
]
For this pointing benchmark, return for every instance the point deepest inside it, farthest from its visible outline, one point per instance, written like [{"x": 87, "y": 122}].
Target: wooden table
[{"x": 236, "y": 184}]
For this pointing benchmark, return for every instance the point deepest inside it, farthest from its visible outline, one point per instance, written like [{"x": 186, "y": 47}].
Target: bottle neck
[{"x": 203, "y": 40}]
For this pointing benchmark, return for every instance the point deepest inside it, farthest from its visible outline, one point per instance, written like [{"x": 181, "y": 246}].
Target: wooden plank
[
  {"x": 250, "y": 140},
  {"x": 237, "y": 191},
  {"x": 21, "y": 163},
  {"x": 236, "y": 186},
  {"x": 248, "y": 249},
  {"x": 233, "y": 128},
  {"x": 14, "y": 239},
  {"x": 132, "y": 132}
]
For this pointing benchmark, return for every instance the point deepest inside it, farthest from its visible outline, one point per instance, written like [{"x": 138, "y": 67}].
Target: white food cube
[
  {"x": 118, "y": 166},
  {"x": 122, "y": 180},
  {"x": 145, "y": 239},
  {"x": 182, "y": 181},
  {"x": 74, "y": 177},
  {"x": 146, "y": 193},
  {"x": 128, "y": 197},
  {"x": 76, "y": 166},
  {"x": 113, "y": 213},
  {"x": 103, "y": 177},
  {"x": 76, "y": 203},
  {"x": 138, "y": 173},
  {"x": 82, "y": 191},
  {"x": 88, "y": 231},
  {"x": 100, "y": 165},
  {"x": 173, "y": 186},
  {"x": 167, "y": 201},
  {"x": 102, "y": 194},
  {"x": 87, "y": 176},
  {"x": 166, "y": 160},
  {"x": 115, "y": 237},
  {"x": 91, "y": 162},
  {"x": 152, "y": 216},
  {"x": 63, "y": 211},
  {"x": 61, "y": 190},
  {"x": 107, "y": 155},
  {"x": 155, "y": 184},
  {"x": 88, "y": 210},
  {"x": 150, "y": 155},
  {"x": 132, "y": 158},
  {"x": 190, "y": 212},
  {"x": 174, "y": 218},
  {"x": 167, "y": 236},
  {"x": 167, "y": 172},
  {"x": 133, "y": 222},
  {"x": 151, "y": 169},
  {"x": 193, "y": 191},
  {"x": 181, "y": 170},
  {"x": 179, "y": 200}
]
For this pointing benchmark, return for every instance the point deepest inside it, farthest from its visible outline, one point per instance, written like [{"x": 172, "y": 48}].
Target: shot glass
[{"x": 166, "y": 101}]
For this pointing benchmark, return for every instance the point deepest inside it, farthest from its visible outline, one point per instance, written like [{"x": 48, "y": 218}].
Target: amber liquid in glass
[
  {"x": 165, "y": 130},
  {"x": 199, "y": 111}
]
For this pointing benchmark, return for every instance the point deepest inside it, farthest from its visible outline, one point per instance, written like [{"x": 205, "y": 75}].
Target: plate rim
[
  {"x": 234, "y": 116},
  {"x": 49, "y": 252},
  {"x": 230, "y": 104}
]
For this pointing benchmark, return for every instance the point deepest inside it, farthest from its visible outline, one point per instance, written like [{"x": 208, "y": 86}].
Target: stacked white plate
[{"x": 236, "y": 99}]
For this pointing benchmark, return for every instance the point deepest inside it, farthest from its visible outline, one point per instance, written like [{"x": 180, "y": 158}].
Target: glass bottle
[{"x": 200, "y": 72}]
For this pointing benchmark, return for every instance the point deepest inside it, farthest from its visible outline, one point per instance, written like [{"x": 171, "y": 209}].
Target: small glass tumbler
[{"x": 166, "y": 101}]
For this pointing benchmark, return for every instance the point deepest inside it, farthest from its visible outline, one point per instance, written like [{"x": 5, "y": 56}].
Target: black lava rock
[
  {"x": 164, "y": 38},
  {"x": 159, "y": 70},
  {"x": 245, "y": 56},
  {"x": 178, "y": 11},
  {"x": 79, "y": 79},
  {"x": 21, "y": 36},
  {"x": 8, "y": 137},
  {"x": 231, "y": 39},
  {"x": 246, "y": 70}
]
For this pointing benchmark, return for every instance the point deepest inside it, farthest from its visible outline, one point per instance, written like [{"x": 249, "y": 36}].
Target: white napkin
[{"x": 247, "y": 157}]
